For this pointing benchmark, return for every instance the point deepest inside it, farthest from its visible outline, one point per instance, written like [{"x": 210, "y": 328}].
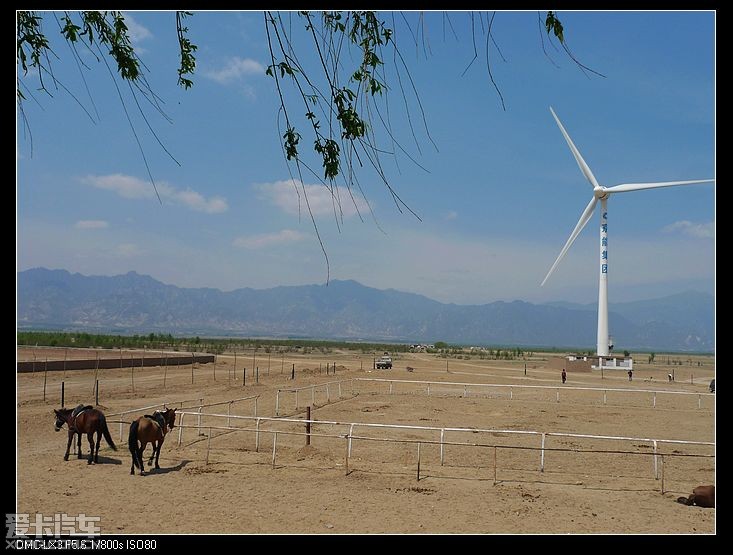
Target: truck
[{"x": 384, "y": 363}]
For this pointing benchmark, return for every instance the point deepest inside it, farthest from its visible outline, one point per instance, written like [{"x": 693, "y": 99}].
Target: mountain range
[{"x": 134, "y": 303}]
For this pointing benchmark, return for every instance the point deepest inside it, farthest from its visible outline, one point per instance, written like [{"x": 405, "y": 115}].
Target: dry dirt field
[{"x": 223, "y": 481}]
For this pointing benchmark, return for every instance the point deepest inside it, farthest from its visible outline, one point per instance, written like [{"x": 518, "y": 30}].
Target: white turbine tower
[{"x": 602, "y": 193}]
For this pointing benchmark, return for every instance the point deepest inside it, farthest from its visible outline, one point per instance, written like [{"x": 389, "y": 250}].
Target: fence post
[
  {"x": 328, "y": 393},
  {"x": 511, "y": 393},
  {"x": 208, "y": 446},
  {"x": 274, "y": 446},
  {"x": 277, "y": 403},
  {"x": 495, "y": 463},
  {"x": 654, "y": 401},
  {"x": 418, "y": 461},
  {"x": 292, "y": 375},
  {"x": 542, "y": 454},
  {"x": 557, "y": 397},
  {"x": 351, "y": 433},
  {"x": 180, "y": 429},
  {"x": 123, "y": 414},
  {"x": 662, "y": 456},
  {"x": 699, "y": 405},
  {"x": 656, "y": 471},
  {"x": 308, "y": 425},
  {"x": 198, "y": 421},
  {"x": 442, "y": 447},
  {"x": 348, "y": 445},
  {"x": 257, "y": 436}
]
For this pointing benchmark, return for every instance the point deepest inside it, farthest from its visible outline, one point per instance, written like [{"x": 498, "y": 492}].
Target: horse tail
[
  {"x": 105, "y": 432},
  {"x": 132, "y": 442}
]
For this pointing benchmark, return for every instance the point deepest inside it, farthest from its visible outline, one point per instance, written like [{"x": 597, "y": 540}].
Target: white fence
[
  {"x": 349, "y": 428},
  {"x": 510, "y": 388},
  {"x": 200, "y": 405},
  {"x": 326, "y": 386}
]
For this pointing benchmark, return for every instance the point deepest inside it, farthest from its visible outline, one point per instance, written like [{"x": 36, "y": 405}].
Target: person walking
[
  {"x": 564, "y": 375},
  {"x": 630, "y": 374}
]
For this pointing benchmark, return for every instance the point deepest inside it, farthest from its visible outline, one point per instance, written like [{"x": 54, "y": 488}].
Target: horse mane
[{"x": 159, "y": 418}]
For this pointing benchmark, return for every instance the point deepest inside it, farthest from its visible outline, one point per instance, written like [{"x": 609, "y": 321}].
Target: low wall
[{"x": 125, "y": 362}]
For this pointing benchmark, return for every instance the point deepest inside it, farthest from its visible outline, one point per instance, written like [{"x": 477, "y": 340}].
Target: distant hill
[{"x": 134, "y": 303}]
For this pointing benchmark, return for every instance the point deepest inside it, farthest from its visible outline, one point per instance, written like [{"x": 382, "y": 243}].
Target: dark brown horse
[
  {"x": 702, "y": 496},
  {"x": 84, "y": 420},
  {"x": 150, "y": 428}
]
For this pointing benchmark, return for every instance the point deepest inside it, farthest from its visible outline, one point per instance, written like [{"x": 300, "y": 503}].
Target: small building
[
  {"x": 588, "y": 363},
  {"x": 613, "y": 362}
]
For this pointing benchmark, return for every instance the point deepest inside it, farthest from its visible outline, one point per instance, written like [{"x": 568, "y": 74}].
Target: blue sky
[{"x": 500, "y": 195}]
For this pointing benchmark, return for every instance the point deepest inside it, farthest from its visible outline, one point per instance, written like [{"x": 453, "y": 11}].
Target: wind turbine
[{"x": 602, "y": 193}]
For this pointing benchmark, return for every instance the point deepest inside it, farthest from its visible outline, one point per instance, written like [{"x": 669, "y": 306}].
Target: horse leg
[
  {"x": 99, "y": 439},
  {"x": 157, "y": 453},
  {"x": 78, "y": 449},
  {"x": 90, "y": 439},
  {"x": 68, "y": 445},
  {"x": 143, "y": 445}
]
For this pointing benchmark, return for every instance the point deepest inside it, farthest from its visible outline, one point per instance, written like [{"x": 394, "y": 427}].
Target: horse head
[
  {"x": 170, "y": 417},
  {"x": 61, "y": 418}
]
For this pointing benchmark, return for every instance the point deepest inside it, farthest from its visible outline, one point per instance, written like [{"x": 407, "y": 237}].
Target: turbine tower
[{"x": 602, "y": 193}]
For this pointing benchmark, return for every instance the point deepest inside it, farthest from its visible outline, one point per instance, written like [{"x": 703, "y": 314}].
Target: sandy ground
[{"x": 308, "y": 490}]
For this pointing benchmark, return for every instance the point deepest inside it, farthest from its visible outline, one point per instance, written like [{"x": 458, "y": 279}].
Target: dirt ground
[{"x": 227, "y": 483}]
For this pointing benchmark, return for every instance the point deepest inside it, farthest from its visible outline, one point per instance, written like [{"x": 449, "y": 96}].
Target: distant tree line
[{"x": 216, "y": 345}]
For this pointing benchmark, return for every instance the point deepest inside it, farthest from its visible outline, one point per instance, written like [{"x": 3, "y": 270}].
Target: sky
[{"x": 497, "y": 194}]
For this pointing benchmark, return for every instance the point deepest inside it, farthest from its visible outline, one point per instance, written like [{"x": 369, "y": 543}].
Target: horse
[
  {"x": 702, "y": 496},
  {"x": 150, "y": 428},
  {"x": 84, "y": 420}
]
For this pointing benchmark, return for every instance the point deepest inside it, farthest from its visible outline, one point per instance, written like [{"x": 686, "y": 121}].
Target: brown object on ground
[{"x": 702, "y": 496}]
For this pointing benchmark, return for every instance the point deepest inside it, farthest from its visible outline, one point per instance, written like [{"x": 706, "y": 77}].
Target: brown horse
[
  {"x": 84, "y": 420},
  {"x": 150, "y": 428},
  {"x": 702, "y": 496}
]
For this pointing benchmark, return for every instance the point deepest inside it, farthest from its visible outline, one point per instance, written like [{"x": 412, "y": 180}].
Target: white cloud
[
  {"x": 283, "y": 195},
  {"x": 124, "y": 185},
  {"x": 268, "y": 239},
  {"x": 128, "y": 250},
  {"x": 451, "y": 215},
  {"x": 235, "y": 69},
  {"x": 701, "y": 231},
  {"x": 91, "y": 224},
  {"x": 136, "y": 31},
  {"x": 131, "y": 187}
]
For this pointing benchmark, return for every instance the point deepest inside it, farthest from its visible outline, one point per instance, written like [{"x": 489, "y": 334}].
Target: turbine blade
[
  {"x": 584, "y": 217},
  {"x": 578, "y": 158},
  {"x": 626, "y": 187}
]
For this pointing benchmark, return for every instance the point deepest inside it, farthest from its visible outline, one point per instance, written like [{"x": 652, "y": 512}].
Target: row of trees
[{"x": 211, "y": 345}]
